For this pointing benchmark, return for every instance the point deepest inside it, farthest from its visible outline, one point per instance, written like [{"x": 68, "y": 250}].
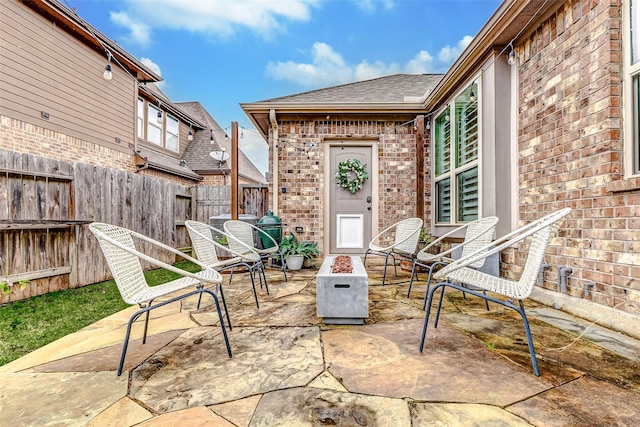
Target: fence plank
[{"x": 45, "y": 206}]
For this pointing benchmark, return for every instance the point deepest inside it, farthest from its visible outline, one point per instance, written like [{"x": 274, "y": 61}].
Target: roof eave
[
  {"x": 77, "y": 26},
  {"x": 498, "y": 31}
]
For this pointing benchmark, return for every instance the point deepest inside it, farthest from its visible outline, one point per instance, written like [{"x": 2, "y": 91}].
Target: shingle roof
[
  {"x": 197, "y": 153},
  {"x": 388, "y": 89}
]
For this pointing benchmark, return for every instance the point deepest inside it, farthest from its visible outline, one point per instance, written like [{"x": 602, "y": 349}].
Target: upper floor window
[
  {"x": 154, "y": 125},
  {"x": 171, "y": 136},
  {"x": 157, "y": 126},
  {"x": 140, "y": 121},
  {"x": 456, "y": 150}
]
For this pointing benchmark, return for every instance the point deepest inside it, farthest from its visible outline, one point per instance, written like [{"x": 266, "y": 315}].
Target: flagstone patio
[{"x": 289, "y": 369}]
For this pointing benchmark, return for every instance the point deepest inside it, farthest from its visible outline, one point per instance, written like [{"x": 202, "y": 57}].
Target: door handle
[{"x": 368, "y": 199}]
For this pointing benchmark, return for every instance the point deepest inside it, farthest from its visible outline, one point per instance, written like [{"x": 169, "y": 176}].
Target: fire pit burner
[{"x": 342, "y": 264}]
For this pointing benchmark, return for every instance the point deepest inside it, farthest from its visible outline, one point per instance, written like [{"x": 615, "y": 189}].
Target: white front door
[{"x": 350, "y": 213}]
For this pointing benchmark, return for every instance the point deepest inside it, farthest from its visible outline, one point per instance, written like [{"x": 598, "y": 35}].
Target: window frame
[
  {"x": 631, "y": 101},
  {"x": 454, "y": 171},
  {"x": 146, "y": 119},
  {"x": 140, "y": 118}
]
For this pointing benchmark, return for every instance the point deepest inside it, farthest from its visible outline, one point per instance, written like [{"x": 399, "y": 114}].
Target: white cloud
[
  {"x": 215, "y": 18},
  {"x": 370, "y": 6},
  {"x": 328, "y": 67},
  {"x": 138, "y": 32},
  {"x": 155, "y": 68},
  {"x": 256, "y": 149},
  {"x": 421, "y": 63},
  {"x": 449, "y": 54}
]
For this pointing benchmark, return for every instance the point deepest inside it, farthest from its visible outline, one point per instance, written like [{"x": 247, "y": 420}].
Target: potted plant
[{"x": 295, "y": 251}]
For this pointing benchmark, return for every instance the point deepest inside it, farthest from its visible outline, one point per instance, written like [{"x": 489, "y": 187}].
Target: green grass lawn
[{"x": 32, "y": 323}]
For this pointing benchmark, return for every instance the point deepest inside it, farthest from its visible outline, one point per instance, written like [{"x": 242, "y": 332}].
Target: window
[
  {"x": 140, "y": 122},
  {"x": 162, "y": 129},
  {"x": 154, "y": 129},
  {"x": 456, "y": 137},
  {"x": 633, "y": 82},
  {"x": 171, "y": 136}
]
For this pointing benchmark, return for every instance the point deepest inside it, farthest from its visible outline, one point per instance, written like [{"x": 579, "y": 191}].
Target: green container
[{"x": 272, "y": 225}]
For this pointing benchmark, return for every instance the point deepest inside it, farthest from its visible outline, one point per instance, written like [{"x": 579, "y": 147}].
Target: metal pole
[{"x": 234, "y": 170}]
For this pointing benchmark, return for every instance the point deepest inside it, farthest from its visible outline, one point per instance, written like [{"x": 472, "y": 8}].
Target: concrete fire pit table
[{"x": 342, "y": 298}]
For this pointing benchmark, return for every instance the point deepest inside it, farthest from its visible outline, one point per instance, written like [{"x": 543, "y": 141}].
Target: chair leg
[
  {"x": 364, "y": 263},
  {"x": 231, "y": 275},
  {"x": 125, "y": 345},
  {"x": 262, "y": 275},
  {"x": 146, "y": 324},
  {"x": 426, "y": 292},
  {"x": 384, "y": 274},
  {"x": 224, "y": 330},
  {"x": 428, "y": 312},
  {"x": 224, "y": 303},
  {"x": 284, "y": 267},
  {"x": 413, "y": 271},
  {"x": 253, "y": 284},
  {"x": 527, "y": 330}
]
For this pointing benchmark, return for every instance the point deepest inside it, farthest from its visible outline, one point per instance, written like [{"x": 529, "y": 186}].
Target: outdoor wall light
[
  {"x": 108, "y": 75},
  {"x": 472, "y": 96},
  {"x": 511, "y": 59},
  {"x": 190, "y": 135}
]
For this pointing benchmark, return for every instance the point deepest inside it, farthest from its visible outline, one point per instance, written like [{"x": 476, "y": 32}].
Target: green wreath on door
[{"x": 355, "y": 167}]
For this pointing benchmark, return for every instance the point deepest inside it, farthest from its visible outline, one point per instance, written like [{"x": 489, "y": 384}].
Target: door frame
[{"x": 329, "y": 183}]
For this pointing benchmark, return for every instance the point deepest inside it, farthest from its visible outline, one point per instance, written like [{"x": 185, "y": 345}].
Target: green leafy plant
[
  {"x": 6, "y": 286},
  {"x": 290, "y": 245},
  {"x": 351, "y": 175},
  {"x": 221, "y": 240},
  {"x": 425, "y": 237}
]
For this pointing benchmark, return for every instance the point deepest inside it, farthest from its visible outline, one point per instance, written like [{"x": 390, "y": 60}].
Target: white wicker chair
[
  {"x": 124, "y": 260},
  {"x": 246, "y": 233},
  {"x": 479, "y": 233},
  {"x": 204, "y": 246},
  {"x": 404, "y": 235},
  {"x": 459, "y": 273}
]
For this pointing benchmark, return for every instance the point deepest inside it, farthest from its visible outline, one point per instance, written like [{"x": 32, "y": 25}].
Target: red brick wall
[
  {"x": 301, "y": 170},
  {"x": 570, "y": 143}
]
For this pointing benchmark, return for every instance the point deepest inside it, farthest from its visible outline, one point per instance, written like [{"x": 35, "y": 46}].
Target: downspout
[{"x": 274, "y": 167}]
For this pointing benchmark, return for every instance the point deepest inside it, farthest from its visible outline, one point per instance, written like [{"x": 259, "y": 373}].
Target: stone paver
[
  {"x": 239, "y": 412},
  {"x": 124, "y": 412},
  {"x": 582, "y": 402},
  {"x": 314, "y": 407},
  {"x": 376, "y": 352},
  {"x": 290, "y": 369},
  {"x": 197, "y": 416},
  {"x": 56, "y": 399},
  {"x": 194, "y": 370},
  {"x": 456, "y": 415}
]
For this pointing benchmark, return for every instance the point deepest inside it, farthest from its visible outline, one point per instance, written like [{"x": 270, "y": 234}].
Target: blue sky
[{"x": 225, "y": 52}]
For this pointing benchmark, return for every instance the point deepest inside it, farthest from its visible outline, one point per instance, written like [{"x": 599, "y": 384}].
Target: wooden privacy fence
[
  {"x": 45, "y": 206},
  {"x": 216, "y": 200}
]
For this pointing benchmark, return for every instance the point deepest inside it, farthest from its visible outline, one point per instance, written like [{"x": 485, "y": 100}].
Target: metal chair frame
[
  {"x": 244, "y": 232},
  {"x": 204, "y": 246},
  {"x": 479, "y": 233},
  {"x": 405, "y": 243},
  {"x": 459, "y": 273},
  {"x": 124, "y": 260}
]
